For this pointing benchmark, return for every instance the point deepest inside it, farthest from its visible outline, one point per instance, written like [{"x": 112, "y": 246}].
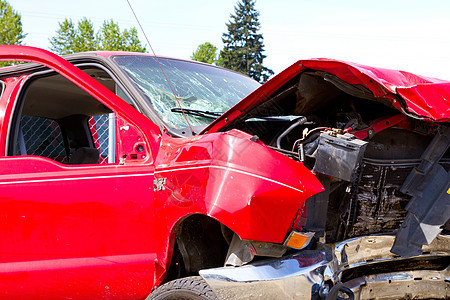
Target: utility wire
[{"x": 160, "y": 66}]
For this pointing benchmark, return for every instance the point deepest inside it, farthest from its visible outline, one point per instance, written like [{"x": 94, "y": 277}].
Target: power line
[{"x": 46, "y": 16}]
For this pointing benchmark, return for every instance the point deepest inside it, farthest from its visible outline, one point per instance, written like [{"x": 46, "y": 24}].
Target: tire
[{"x": 188, "y": 288}]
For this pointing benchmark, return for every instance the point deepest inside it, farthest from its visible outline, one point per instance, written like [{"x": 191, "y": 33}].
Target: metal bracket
[{"x": 429, "y": 209}]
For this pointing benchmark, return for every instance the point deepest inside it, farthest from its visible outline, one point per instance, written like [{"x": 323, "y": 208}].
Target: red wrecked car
[{"x": 330, "y": 181}]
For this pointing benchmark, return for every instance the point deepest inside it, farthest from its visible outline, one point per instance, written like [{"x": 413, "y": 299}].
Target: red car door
[{"x": 72, "y": 223}]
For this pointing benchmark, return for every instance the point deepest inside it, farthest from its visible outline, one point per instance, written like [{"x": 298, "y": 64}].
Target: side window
[
  {"x": 41, "y": 137},
  {"x": 56, "y": 119}
]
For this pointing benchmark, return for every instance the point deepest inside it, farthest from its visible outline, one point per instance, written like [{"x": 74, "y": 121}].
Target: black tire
[{"x": 188, "y": 288}]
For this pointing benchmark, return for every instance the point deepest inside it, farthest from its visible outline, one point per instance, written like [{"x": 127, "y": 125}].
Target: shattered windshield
[{"x": 203, "y": 91}]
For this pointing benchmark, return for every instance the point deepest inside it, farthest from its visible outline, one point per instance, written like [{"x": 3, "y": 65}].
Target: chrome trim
[
  {"x": 299, "y": 275},
  {"x": 288, "y": 277}
]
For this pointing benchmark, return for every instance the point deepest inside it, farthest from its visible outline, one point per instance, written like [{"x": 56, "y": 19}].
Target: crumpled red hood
[{"x": 422, "y": 97}]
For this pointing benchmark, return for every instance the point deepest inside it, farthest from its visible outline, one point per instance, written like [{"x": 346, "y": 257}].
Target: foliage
[
  {"x": 85, "y": 40},
  {"x": 206, "y": 53},
  {"x": 112, "y": 39},
  {"x": 69, "y": 39},
  {"x": 243, "y": 45},
  {"x": 10, "y": 27},
  {"x": 133, "y": 44}
]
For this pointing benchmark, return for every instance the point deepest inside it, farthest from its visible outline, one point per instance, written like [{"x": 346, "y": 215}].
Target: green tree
[
  {"x": 132, "y": 43},
  {"x": 113, "y": 39},
  {"x": 110, "y": 36},
  {"x": 85, "y": 39},
  {"x": 69, "y": 39},
  {"x": 243, "y": 45},
  {"x": 206, "y": 53},
  {"x": 10, "y": 27}
]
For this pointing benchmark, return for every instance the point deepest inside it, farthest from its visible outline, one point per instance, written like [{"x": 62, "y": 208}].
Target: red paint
[
  {"x": 379, "y": 125},
  {"x": 106, "y": 231},
  {"x": 425, "y": 97}
]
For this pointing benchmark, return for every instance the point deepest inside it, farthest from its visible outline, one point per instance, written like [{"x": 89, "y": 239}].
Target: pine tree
[
  {"x": 10, "y": 27},
  {"x": 243, "y": 45}
]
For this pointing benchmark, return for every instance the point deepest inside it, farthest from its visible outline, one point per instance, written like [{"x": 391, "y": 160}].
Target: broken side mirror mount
[{"x": 133, "y": 145}]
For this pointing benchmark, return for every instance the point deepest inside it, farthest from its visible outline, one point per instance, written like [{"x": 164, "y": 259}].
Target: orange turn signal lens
[{"x": 298, "y": 240}]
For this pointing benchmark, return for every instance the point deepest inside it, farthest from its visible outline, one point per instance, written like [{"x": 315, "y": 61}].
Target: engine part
[
  {"x": 379, "y": 125},
  {"x": 339, "y": 155},
  {"x": 299, "y": 122},
  {"x": 317, "y": 207},
  {"x": 242, "y": 252},
  {"x": 377, "y": 204},
  {"x": 340, "y": 288},
  {"x": 429, "y": 209}
]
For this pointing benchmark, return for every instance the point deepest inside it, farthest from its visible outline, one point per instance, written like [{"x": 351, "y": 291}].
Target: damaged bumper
[
  {"x": 354, "y": 264},
  {"x": 286, "y": 277}
]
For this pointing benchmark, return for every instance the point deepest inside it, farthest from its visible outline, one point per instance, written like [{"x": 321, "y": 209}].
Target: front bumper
[
  {"x": 290, "y": 276},
  {"x": 311, "y": 273}
]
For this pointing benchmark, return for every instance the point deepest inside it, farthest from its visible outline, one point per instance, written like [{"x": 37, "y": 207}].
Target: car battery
[{"x": 339, "y": 155}]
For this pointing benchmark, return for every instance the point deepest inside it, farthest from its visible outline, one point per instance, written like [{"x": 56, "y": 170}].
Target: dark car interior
[{"x": 54, "y": 118}]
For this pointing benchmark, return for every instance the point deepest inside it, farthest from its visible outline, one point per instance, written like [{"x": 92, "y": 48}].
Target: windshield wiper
[{"x": 196, "y": 112}]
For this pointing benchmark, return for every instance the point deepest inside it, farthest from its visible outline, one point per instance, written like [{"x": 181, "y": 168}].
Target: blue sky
[{"x": 408, "y": 35}]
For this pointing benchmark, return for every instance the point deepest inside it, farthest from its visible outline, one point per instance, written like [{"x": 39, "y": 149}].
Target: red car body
[
  {"x": 109, "y": 230},
  {"x": 105, "y": 231}
]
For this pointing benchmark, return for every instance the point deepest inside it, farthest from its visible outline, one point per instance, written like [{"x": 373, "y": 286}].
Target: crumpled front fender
[{"x": 243, "y": 184}]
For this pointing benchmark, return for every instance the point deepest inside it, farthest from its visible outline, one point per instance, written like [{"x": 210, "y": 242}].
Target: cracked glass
[{"x": 198, "y": 87}]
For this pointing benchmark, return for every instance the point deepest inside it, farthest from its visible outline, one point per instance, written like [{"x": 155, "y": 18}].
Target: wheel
[{"x": 188, "y": 288}]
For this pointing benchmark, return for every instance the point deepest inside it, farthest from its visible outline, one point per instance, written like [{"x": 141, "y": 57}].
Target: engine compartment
[{"x": 361, "y": 148}]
